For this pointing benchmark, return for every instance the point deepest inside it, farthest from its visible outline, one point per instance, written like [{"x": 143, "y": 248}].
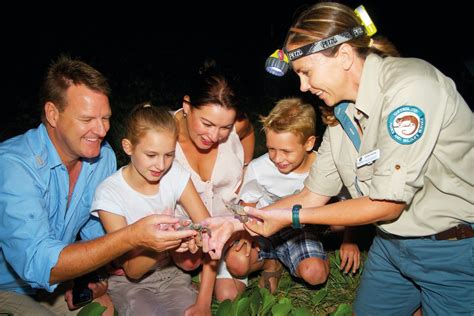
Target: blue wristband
[{"x": 295, "y": 215}]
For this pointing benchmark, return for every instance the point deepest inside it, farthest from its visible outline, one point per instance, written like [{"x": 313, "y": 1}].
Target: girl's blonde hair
[{"x": 145, "y": 117}]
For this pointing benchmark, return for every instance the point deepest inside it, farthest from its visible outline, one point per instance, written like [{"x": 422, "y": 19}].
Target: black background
[{"x": 162, "y": 44}]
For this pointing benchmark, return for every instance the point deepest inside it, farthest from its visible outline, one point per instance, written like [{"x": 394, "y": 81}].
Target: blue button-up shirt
[{"x": 35, "y": 221}]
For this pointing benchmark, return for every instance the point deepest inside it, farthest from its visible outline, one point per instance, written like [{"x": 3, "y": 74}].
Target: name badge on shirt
[{"x": 368, "y": 158}]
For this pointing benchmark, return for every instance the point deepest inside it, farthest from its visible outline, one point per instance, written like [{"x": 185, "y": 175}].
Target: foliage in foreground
[{"x": 296, "y": 299}]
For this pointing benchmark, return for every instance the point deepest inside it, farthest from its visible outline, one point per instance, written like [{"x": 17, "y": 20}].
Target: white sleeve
[
  {"x": 251, "y": 191},
  {"x": 180, "y": 179},
  {"x": 108, "y": 199}
]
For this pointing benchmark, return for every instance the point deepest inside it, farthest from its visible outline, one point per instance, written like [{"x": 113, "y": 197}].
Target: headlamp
[{"x": 279, "y": 62}]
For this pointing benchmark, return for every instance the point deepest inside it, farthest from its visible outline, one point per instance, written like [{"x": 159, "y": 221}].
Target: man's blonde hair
[{"x": 291, "y": 115}]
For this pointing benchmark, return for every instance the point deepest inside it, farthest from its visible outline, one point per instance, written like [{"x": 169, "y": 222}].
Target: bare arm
[
  {"x": 81, "y": 257},
  {"x": 193, "y": 204},
  {"x": 247, "y": 137},
  {"x": 352, "y": 212},
  {"x": 305, "y": 197},
  {"x": 198, "y": 212},
  {"x": 138, "y": 261}
]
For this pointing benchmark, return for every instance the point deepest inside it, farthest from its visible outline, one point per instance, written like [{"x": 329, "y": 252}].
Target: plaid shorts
[{"x": 291, "y": 246}]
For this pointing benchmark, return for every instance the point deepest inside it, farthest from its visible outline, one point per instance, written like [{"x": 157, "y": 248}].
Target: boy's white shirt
[{"x": 264, "y": 183}]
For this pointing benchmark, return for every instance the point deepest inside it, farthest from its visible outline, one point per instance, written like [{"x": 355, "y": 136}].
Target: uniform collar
[{"x": 369, "y": 87}]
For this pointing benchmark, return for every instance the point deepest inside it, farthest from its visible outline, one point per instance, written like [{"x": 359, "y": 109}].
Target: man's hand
[{"x": 157, "y": 232}]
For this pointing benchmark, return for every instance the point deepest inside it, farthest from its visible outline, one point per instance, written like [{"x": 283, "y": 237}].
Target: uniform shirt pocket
[
  {"x": 364, "y": 179},
  {"x": 389, "y": 183},
  {"x": 365, "y": 173},
  {"x": 346, "y": 172}
]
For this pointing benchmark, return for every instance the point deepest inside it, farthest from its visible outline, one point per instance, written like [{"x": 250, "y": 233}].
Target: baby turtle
[
  {"x": 199, "y": 228},
  {"x": 239, "y": 212}
]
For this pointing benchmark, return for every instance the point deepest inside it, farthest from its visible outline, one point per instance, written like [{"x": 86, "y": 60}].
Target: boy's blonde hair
[{"x": 291, "y": 115}]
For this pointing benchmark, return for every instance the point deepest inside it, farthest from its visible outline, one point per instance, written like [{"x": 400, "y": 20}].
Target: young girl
[{"x": 150, "y": 184}]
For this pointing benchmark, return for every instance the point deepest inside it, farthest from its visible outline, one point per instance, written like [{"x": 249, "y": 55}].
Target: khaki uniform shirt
[{"x": 423, "y": 129}]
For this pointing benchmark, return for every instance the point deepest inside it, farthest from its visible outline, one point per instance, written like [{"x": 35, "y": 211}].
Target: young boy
[{"x": 289, "y": 131}]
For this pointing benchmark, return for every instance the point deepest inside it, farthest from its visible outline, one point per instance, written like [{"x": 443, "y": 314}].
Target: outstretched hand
[
  {"x": 267, "y": 222},
  {"x": 157, "y": 232},
  {"x": 222, "y": 228}
]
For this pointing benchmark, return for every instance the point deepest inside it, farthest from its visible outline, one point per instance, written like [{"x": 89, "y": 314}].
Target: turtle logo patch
[{"x": 406, "y": 124}]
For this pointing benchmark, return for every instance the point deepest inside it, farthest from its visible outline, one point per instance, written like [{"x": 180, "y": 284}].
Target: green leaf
[
  {"x": 333, "y": 261},
  {"x": 224, "y": 308},
  {"x": 318, "y": 296},
  {"x": 240, "y": 307},
  {"x": 338, "y": 256},
  {"x": 285, "y": 283},
  {"x": 284, "y": 300},
  {"x": 92, "y": 309},
  {"x": 264, "y": 292},
  {"x": 268, "y": 300},
  {"x": 282, "y": 308},
  {"x": 214, "y": 306},
  {"x": 338, "y": 276},
  {"x": 343, "y": 310},
  {"x": 301, "y": 311},
  {"x": 255, "y": 302},
  {"x": 195, "y": 278}
]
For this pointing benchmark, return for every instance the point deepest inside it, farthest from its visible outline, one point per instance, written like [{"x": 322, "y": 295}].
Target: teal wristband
[{"x": 295, "y": 215}]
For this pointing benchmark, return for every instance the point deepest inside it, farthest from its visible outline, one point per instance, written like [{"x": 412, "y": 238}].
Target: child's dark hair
[{"x": 145, "y": 117}]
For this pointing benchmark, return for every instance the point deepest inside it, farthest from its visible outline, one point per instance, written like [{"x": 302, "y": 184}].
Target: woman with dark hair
[{"x": 215, "y": 143}]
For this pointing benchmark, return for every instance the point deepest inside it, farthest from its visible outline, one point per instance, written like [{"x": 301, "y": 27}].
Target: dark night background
[{"x": 148, "y": 53}]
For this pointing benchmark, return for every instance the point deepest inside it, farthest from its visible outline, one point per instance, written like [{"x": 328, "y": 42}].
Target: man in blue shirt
[{"x": 49, "y": 175}]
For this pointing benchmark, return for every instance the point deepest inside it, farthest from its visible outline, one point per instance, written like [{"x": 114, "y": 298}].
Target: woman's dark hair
[{"x": 211, "y": 86}]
